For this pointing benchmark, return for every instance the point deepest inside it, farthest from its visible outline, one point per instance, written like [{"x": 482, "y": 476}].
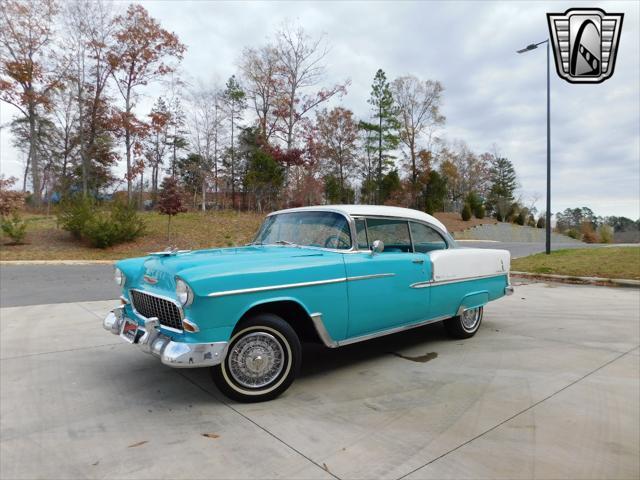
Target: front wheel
[
  {"x": 466, "y": 324},
  {"x": 262, "y": 360}
]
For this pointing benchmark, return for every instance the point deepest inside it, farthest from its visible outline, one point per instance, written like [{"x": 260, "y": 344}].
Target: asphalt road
[
  {"x": 45, "y": 284},
  {"x": 548, "y": 388}
]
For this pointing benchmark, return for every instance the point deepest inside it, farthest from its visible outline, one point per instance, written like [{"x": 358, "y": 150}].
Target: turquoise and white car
[{"x": 331, "y": 274}]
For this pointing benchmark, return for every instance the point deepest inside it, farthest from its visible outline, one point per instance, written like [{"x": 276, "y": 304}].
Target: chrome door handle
[{"x": 417, "y": 260}]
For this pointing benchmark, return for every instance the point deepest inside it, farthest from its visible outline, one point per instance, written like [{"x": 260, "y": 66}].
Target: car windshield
[{"x": 311, "y": 229}]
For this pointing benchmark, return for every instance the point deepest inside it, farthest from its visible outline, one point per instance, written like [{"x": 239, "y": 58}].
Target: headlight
[
  {"x": 119, "y": 277},
  {"x": 183, "y": 292}
]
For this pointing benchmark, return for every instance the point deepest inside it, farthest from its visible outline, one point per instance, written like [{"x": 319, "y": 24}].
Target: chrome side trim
[
  {"x": 276, "y": 287},
  {"x": 324, "y": 335},
  {"x": 369, "y": 277},
  {"x": 268, "y": 288},
  {"x": 435, "y": 283}
]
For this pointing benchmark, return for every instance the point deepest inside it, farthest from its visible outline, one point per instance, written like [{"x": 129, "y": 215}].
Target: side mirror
[{"x": 377, "y": 247}]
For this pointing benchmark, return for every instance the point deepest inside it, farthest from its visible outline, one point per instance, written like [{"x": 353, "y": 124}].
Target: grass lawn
[
  {"x": 606, "y": 262},
  {"x": 189, "y": 230}
]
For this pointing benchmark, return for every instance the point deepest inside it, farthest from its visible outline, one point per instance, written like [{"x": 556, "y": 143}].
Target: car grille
[{"x": 166, "y": 311}]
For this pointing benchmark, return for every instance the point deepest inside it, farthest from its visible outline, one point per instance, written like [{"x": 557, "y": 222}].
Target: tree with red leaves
[
  {"x": 170, "y": 202},
  {"x": 142, "y": 52}
]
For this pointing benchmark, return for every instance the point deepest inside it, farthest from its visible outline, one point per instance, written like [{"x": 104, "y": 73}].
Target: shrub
[
  {"x": 479, "y": 212},
  {"x": 74, "y": 215},
  {"x": 15, "y": 228},
  {"x": 588, "y": 233},
  {"x": 541, "y": 222},
  {"x": 102, "y": 229},
  {"x": 10, "y": 200},
  {"x": 520, "y": 218},
  {"x": 531, "y": 221},
  {"x": 129, "y": 225},
  {"x": 573, "y": 233},
  {"x": 466, "y": 212},
  {"x": 605, "y": 232}
]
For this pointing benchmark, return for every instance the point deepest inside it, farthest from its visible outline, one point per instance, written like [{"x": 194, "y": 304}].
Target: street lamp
[{"x": 547, "y": 224}]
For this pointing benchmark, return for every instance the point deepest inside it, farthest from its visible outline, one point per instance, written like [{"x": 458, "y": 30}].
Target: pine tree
[{"x": 384, "y": 127}]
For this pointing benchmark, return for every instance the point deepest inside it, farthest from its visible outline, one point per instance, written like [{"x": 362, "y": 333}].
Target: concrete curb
[
  {"x": 57, "y": 262},
  {"x": 604, "y": 282}
]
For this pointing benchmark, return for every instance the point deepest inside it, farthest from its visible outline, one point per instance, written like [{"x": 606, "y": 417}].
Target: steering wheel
[{"x": 337, "y": 240}]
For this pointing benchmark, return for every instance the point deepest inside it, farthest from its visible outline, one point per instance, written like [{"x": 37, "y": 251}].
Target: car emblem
[
  {"x": 150, "y": 279},
  {"x": 585, "y": 43}
]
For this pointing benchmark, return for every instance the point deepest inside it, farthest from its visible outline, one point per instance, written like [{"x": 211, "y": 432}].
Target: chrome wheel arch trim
[{"x": 331, "y": 343}]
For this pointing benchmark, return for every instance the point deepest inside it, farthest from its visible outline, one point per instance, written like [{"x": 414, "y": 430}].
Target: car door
[{"x": 380, "y": 284}]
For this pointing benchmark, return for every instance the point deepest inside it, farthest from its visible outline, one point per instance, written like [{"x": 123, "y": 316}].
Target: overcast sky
[{"x": 492, "y": 95}]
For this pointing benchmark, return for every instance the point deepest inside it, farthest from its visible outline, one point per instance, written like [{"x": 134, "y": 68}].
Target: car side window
[
  {"x": 393, "y": 233},
  {"x": 361, "y": 233},
  {"x": 426, "y": 239}
]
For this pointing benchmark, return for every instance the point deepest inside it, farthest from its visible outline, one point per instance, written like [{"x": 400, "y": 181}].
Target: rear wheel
[
  {"x": 466, "y": 324},
  {"x": 262, "y": 360}
]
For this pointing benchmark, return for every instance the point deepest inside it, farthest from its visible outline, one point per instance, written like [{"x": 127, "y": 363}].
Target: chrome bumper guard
[
  {"x": 173, "y": 354},
  {"x": 508, "y": 290}
]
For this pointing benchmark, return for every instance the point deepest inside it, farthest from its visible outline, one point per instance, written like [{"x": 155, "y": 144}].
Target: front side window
[
  {"x": 312, "y": 229},
  {"x": 426, "y": 239},
  {"x": 361, "y": 234},
  {"x": 393, "y": 233}
]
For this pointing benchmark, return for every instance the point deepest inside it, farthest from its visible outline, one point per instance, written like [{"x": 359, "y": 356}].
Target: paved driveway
[{"x": 549, "y": 388}]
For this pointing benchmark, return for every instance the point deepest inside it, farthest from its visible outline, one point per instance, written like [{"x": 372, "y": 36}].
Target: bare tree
[
  {"x": 89, "y": 38},
  {"x": 260, "y": 69},
  {"x": 419, "y": 113},
  {"x": 338, "y": 135},
  {"x": 206, "y": 127},
  {"x": 300, "y": 67}
]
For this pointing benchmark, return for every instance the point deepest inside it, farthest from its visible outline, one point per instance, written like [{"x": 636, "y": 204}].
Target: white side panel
[{"x": 458, "y": 263}]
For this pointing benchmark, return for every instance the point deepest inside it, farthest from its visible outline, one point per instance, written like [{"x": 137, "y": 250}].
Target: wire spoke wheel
[{"x": 256, "y": 360}]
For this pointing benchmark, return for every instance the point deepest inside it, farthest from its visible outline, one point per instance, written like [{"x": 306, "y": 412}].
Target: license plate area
[{"x": 129, "y": 331}]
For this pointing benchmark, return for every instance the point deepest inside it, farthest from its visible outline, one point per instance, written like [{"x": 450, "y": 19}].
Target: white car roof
[{"x": 372, "y": 211}]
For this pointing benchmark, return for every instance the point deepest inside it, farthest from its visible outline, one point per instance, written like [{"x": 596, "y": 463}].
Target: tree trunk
[
  {"x": 204, "y": 190},
  {"x": 33, "y": 155},
  {"x": 380, "y": 156},
  {"x": 127, "y": 140},
  {"x": 233, "y": 166}
]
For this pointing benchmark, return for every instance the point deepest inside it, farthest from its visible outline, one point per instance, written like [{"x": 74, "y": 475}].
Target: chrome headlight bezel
[
  {"x": 184, "y": 294},
  {"x": 119, "y": 277}
]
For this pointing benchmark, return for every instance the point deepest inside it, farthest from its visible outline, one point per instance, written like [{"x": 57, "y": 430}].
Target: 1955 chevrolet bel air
[{"x": 332, "y": 274}]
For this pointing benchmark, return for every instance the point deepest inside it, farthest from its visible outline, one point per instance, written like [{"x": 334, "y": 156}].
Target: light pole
[{"x": 547, "y": 223}]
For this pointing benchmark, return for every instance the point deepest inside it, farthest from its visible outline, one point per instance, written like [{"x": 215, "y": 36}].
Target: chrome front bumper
[{"x": 173, "y": 354}]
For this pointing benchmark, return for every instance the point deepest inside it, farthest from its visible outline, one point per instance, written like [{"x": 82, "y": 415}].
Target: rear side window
[
  {"x": 393, "y": 233},
  {"x": 426, "y": 239}
]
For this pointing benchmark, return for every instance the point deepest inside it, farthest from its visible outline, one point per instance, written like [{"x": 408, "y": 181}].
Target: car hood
[{"x": 158, "y": 272}]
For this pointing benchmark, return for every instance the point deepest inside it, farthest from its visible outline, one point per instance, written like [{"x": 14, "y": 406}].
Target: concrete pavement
[{"x": 548, "y": 388}]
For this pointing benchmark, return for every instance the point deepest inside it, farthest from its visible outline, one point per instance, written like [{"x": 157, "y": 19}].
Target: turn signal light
[{"x": 189, "y": 326}]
